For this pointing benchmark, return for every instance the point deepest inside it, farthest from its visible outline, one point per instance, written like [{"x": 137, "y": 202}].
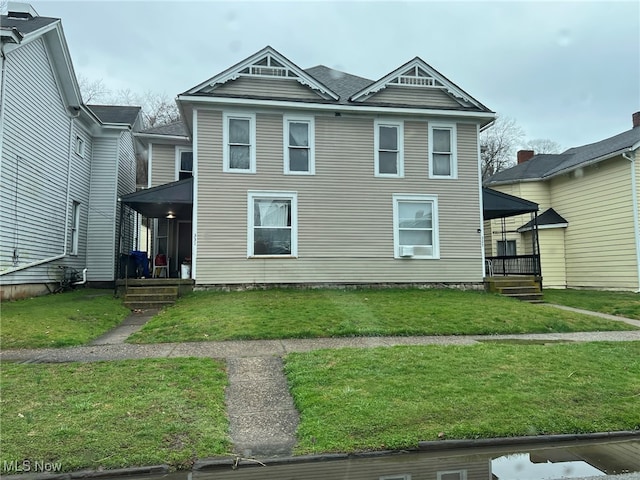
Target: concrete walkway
[{"x": 263, "y": 418}]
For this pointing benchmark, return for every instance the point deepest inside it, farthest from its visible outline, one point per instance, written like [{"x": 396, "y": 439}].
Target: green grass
[
  {"x": 61, "y": 320},
  {"x": 392, "y": 398},
  {"x": 624, "y": 304},
  {"x": 275, "y": 314},
  {"x": 113, "y": 414}
]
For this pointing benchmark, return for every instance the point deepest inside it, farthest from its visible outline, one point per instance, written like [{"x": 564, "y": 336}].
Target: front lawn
[
  {"x": 392, "y": 398},
  {"x": 61, "y": 320},
  {"x": 624, "y": 304},
  {"x": 113, "y": 414},
  {"x": 273, "y": 314}
]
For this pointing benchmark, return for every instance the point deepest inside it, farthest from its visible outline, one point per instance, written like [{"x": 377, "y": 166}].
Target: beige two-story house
[{"x": 315, "y": 176}]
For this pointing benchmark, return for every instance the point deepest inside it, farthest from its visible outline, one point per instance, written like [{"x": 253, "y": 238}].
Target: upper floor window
[
  {"x": 272, "y": 224},
  {"x": 79, "y": 147},
  {"x": 388, "y": 140},
  {"x": 184, "y": 163},
  {"x": 299, "y": 155},
  {"x": 239, "y": 138},
  {"x": 442, "y": 151},
  {"x": 415, "y": 226}
]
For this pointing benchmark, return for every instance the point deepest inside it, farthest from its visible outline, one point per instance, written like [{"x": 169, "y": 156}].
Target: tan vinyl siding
[
  {"x": 345, "y": 213},
  {"x": 266, "y": 88},
  {"x": 600, "y": 241},
  {"x": 552, "y": 255},
  {"x": 163, "y": 164},
  {"x": 416, "y": 96}
]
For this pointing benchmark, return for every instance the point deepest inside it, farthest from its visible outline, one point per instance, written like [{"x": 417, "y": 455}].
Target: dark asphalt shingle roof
[
  {"x": 116, "y": 113},
  {"x": 548, "y": 217},
  {"x": 344, "y": 84},
  {"x": 547, "y": 165},
  {"x": 26, "y": 25},
  {"x": 498, "y": 204},
  {"x": 177, "y": 129}
]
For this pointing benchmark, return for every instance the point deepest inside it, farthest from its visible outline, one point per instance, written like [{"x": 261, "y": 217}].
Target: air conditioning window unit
[{"x": 406, "y": 251}]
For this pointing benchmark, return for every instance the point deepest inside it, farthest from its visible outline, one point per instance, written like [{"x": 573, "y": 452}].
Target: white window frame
[
  {"x": 399, "y": 125},
  {"x": 274, "y": 195},
  {"x": 75, "y": 227},
  {"x": 179, "y": 152},
  {"x": 403, "y": 476},
  {"x": 310, "y": 121},
  {"x": 435, "y": 237},
  {"x": 462, "y": 474},
  {"x": 226, "y": 116},
  {"x": 80, "y": 146},
  {"x": 454, "y": 149}
]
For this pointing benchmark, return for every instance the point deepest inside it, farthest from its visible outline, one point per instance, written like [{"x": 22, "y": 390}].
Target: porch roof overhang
[
  {"x": 175, "y": 198},
  {"x": 498, "y": 205}
]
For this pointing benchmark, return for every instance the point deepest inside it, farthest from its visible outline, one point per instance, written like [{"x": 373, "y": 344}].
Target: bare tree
[
  {"x": 543, "y": 145},
  {"x": 93, "y": 90},
  {"x": 498, "y": 145}
]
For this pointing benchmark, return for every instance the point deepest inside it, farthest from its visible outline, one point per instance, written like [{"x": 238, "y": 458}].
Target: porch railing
[{"x": 513, "y": 265}]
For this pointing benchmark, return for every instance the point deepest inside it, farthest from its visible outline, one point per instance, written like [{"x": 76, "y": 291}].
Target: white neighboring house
[{"x": 63, "y": 164}]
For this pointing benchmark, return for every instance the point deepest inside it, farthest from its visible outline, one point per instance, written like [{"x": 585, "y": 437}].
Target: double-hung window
[
  {"x": 184, "y": 163},
  {"x": 299, "y": 145},
  {"x": 442, "y": 151},
  {"x": 79, "y": 147},
  {"x": 415, "y": 226},
  {"x": 272, "y": 224},
  {"x": 388, "y": 140},
  {"x": 75, "y": 227},
  {"x": 239, "y": 138},
  {"x": 507, "y": 248}
]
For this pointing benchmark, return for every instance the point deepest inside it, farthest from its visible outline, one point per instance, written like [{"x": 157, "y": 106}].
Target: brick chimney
[
  {"x": 636, "y": 119},
  {"x": 525, "y": 155}
]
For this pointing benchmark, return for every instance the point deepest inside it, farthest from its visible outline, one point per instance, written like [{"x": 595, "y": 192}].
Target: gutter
[{"x": 634, "y": 203}]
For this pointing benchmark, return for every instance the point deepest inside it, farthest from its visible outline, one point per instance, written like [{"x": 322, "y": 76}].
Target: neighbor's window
[
  {"x": 239, "y": 137},
  {"x": 388, "y": 140},
  {"x": 299, "y": 145},
  {"x": 75, "y": 227},
  {"x": 79, "y": 147},
  {"x": 452, "y": 475},
  {"x": 507, "y": 248},
  {"x": 272, "y": 224},
  {"x": 415, "y": 226},
  {"x": 184, "y": 163},
  {"x": 442, "y": 151}
]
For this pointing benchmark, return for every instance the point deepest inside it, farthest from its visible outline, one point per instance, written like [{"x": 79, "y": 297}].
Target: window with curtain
[
  {"x": 442, "y": 151},
  {"x": 507, "y": 248},
  {"x": 272, "y": 228},
  {"x": 239, "y": 138},
  {"x": 388, "y": 140},
  {"x": 298, "y": 145}
]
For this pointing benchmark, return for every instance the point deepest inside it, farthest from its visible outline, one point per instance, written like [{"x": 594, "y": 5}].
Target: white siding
[
  {"x": 345, "y": 213},
  {"x": 102, "y": 214},
  {"x": 34, "y": 164},
  {"x": 126, "y": 184}
]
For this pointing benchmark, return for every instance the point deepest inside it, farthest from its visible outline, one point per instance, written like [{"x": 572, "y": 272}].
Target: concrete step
[
  {"x": 526, "y": 297},
  {"x": 526, "y": 289},
  {"x": 162, "y": 290},
  {"x": 150, "y": 297},
  {"x": 147, "y": 305}
]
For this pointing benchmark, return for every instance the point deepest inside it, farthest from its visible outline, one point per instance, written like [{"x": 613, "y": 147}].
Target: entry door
[{"x": 184, "y": 242}]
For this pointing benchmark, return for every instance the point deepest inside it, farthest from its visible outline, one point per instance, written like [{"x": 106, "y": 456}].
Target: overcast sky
[{"x": 566, "y": 71}]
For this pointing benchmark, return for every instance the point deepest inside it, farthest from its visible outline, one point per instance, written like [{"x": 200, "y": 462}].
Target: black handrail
[{"x": 515, "y": 265}]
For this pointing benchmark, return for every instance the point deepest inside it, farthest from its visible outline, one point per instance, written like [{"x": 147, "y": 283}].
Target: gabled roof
[
  {"x": 120, "y": 114},
  {"x": 548, "y": 219},
  {"x": 542, "y": 167},
  {"x": 344, "y": 84},
  {"x": 25, "y": 26},
  {"x": 175, "y": 129},
  {"x": 266, "y": 62},
  {"x": 496, "y": 204},
  {"x": 418, "y": 73}
]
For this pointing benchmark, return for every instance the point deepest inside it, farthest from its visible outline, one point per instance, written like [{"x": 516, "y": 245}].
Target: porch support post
[
  {"x": 115, "y": 281},
  {"x": 536, "y": 247}
]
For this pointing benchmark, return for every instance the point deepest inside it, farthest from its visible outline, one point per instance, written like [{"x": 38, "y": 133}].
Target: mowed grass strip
[
  {"x": 392, "y": 398},
  {"x": 61, "y": 320},
  {"x": 272, "y": 314},
  {"x": 624, "y": 304},
  {"x": 114, "y": 414}
]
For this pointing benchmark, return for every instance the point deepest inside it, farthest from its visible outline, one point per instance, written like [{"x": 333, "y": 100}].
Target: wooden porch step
[{"x": 524, "y": 288}]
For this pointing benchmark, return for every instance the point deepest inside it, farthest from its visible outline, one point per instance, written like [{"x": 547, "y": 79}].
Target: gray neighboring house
[{"x": 63, "y": 164}]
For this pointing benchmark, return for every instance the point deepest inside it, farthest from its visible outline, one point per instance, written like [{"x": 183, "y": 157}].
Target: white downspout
[{"x": 634, "y": 203}]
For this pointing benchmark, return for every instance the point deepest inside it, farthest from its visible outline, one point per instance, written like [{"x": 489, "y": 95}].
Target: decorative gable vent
[
  {"x": 268, "y": 67},
  {"x": 416, "y": 77}
]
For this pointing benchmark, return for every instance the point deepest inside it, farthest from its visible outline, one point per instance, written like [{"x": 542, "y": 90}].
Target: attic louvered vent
[
  {"x": 268, "y": 67},
  {"x": 416, "y": 77}
]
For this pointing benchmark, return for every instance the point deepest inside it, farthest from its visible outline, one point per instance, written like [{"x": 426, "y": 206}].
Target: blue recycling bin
[{"x": 142, "y": 263}]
